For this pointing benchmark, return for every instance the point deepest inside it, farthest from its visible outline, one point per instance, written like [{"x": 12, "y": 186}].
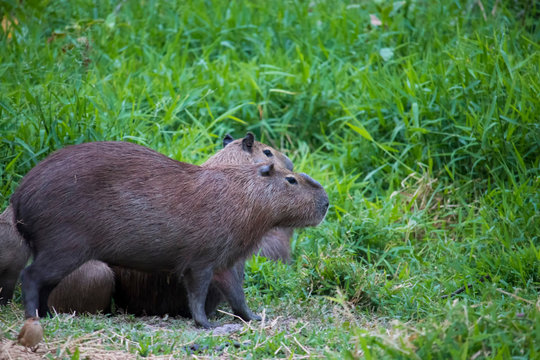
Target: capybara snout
[{"x": 321, "y": 201}]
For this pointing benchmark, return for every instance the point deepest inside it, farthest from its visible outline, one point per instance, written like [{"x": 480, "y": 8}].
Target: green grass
[{"x": 424, "y": 131}]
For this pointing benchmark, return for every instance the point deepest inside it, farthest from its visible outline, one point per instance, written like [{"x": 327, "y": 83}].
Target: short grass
[{"x": 424, "y": 129}]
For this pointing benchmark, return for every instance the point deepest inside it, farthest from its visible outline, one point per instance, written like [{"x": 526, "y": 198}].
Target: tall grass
[{"x": 424, "y": 130}]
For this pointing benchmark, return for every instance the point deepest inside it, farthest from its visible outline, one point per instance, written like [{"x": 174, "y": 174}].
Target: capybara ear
[
  {"x": 247, "y": 142},
  {"x": 227, "y": 140},
  {"x": 266, "y": 170}
]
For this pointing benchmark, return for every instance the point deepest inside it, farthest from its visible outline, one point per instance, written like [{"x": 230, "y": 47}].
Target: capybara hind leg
[
  {"x": 40, "y": 278},
  {"x": 197, "y": 282},
  {"x": 230, "y": 284}
]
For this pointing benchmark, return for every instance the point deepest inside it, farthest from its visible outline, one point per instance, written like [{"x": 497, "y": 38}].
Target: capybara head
[
  {"x": 295, "y": 199},
  {"x": 248, "y": 151}
]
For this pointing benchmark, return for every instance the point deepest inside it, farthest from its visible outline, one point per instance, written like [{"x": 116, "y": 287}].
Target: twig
[
  {"x": 238, "y": 317},
  {"x": 481, "y": 6},
  {"x": 462, "y": 289},
  {"x": 515, "y": 296},
  {"x": 303, "y": 348},
  {"x": 118, "y": 7},
  {"x": 494, "y": 10}
]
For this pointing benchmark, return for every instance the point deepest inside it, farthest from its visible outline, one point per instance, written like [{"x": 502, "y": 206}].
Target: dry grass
[{"x": 113, "y": 343}]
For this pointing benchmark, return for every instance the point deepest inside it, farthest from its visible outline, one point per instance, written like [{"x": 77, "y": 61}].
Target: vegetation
[{"x": 420, "y": 118}]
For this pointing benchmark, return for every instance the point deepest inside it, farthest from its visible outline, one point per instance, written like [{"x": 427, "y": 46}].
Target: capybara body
[
  {"x": 130, "y": 206},
  {"x": 14, "y": 254},
  {"x": 87, "y": 290},
  {"x": 160, "y": 293}
]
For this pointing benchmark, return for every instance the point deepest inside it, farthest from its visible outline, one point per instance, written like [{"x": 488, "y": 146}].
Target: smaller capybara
[
  {"x": 133, "y": 207},
  {"x": 87, "y": 290},
  {"x": 161, "y": 293}
]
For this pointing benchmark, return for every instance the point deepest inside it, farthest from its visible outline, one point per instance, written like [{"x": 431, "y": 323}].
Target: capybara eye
[
  {"x": 268, "y": 153},
  {"x": 291, "y": 180}
]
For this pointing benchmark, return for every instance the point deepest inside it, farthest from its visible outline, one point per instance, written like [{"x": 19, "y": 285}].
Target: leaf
[
  {"x": 386, "y": 53},
  {"x": 110, "y": 21},
  {"x": 361, "y": 130},
  {"x": 8, "y": 25},
  {"x": 375, "y": 20}
]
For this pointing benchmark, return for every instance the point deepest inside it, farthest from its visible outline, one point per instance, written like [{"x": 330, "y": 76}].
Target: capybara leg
[
  {"x": 230, "y": 283},
  {"x": 7, "y": 287},
  {"x": 44, "y": 293},
  {"x": 213, "y": 299},
  {"x": 197, "y": 282},
  {"x": 30, "y": 290},
  {"x": 40, "y": 278}
]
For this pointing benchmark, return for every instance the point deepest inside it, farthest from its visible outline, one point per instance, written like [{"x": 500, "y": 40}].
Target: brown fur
[
  {"x": 276, "y": 244},
  {"x": 13, "y": 255},
  {"x": 142, "y": 293},
  {"x": 87, "y": 290},
  {"x": 130, "y": 206}
]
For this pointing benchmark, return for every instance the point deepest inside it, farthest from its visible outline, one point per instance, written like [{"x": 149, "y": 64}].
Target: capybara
[
  {"x": 130, "y": 206},
  {"x": 87, "y": 290},
  {"x": 161, "y": 293},
  {"x": 14, "y": 254}
]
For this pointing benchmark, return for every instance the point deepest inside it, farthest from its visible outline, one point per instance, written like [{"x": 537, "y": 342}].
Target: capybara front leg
[
  {"x": 30, "y": 290},
  {"x": 44, "y": 293},
  {"x": 230, "y": 283},
  {"x": 197, "y": 282}
]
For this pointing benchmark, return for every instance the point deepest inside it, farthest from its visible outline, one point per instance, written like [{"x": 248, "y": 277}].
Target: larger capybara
[
  {"x": 87, "y": 290},
  {"x": 161, "y": 293},
  {"x": 130, "y": 206}
]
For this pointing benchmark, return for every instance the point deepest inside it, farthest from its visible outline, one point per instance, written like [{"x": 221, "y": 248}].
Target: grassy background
[{"x": 424, "y": 131}]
